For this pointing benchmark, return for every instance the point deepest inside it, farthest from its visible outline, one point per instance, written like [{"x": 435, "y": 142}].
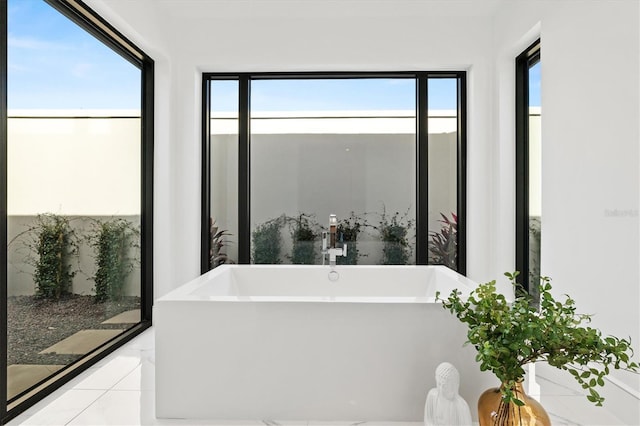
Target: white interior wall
[
  {"x": 339, "y": 36},
  {"x": 139, "y": 22},
  {"x": 590, "y": 134},
  {"x": 282, "y": 35}
]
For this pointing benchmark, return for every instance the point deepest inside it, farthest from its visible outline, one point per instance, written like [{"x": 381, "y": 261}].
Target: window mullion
[
  {"x": 422, "y": 171},
  {"x": 244, "y": 170},
  {"x": 3, "y": 205},
  {"x": 461, "y": 242}
]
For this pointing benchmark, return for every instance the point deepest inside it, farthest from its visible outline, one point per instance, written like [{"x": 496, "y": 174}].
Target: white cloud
[
  {"x": 32, "y": 43},
  {"x": 81, "y": 69}
]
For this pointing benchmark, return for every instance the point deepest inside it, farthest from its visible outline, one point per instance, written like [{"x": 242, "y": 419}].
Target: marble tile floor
[{"x": 119, "y": 390}]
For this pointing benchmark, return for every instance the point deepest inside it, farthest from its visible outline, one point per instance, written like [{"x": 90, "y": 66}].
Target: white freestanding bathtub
[{"x": 285, "y": 342}]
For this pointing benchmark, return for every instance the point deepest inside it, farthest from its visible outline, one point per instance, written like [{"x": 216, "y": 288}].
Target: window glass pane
[
  {"x": 443, "y": 147},
  {"x": 74, "y": 191},
  {"x": 333, "y": 146},
  {"x": 535, "y": 175},
  {"x": 224, "y": 172},
  {"x": 340, "y": 94}
]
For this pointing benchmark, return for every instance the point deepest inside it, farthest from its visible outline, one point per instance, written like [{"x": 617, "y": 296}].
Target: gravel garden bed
[{"x": 35, "y": 324}]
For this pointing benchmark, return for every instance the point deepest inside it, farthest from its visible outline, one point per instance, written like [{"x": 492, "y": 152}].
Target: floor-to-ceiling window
[
  {"x": 383, "y": 152},
  {"x": 444, "y": 151},
  {"x": 76, "y": 193},
  {"x": 223, "y": 192},
  {"x": 528, "y": 168}
]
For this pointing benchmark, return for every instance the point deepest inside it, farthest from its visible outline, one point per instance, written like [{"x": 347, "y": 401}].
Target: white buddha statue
[{"x": 444, "y": 406}]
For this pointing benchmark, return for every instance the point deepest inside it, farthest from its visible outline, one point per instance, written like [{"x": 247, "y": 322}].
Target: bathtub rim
[{"x": 185, "y": 292}]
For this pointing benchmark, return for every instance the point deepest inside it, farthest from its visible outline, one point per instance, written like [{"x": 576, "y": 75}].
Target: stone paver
[
  {"x": 128, "y": 317},
  {"x": 82, "y": 342},
  {"x": 22, "y": 376}
]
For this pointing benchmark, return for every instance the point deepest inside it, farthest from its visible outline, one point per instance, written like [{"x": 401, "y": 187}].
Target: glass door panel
[{"x": 73, "y": 196}]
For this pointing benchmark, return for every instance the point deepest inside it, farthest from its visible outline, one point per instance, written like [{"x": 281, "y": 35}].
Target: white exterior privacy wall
[
  {"x": 84, "y": 168},
  {"x": 374, "y": 168}
]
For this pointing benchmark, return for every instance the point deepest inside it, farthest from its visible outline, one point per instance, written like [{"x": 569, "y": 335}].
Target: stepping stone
[
  {"x": 82, "y": 342},
  {"x": 128, "y": 317},
  {"x": 22, "y": 376}
]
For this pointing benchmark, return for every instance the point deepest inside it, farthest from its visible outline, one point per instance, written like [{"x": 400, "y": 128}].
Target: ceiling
[{"x": 198, "y": 9}]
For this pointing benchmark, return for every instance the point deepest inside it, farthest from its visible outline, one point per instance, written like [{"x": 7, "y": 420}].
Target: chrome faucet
[{"x": 329, "y": 242}]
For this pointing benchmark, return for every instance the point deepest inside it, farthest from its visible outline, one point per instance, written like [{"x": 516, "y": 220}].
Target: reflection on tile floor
[{"x": 119, "y": 390}]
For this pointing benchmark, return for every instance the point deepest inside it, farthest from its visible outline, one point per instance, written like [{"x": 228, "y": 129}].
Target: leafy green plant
[
  {"x": 509, "y": 335},
  {"x": 348, "y": 230},
  {"x": 443, "y": 244},
  {"x": 267, "y": 242},
  {"x": 217, "y": 242},
  {"x": 52, "y": 247},
  {"x": 393, "y": 233},
  {"x": 303, "y": 236},
  {"x": 113, "y": 242}
]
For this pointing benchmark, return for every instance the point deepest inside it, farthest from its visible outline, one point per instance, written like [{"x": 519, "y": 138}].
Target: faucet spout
[
  {"x": 329, "y": 242},
  {"x": 333, "y": 230}
]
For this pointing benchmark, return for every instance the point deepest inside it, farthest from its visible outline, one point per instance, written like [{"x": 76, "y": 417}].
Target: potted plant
[
  {"x": 267, "y": 242},
  {"x": 348, "y": 230},
  {"x": 443, "y": 244},
  {"x": 509, "y": 335},
  {"x": 217, "y": 242},
  {"x": 393, "y": 233},
  {"x": 303, "y": 236}
]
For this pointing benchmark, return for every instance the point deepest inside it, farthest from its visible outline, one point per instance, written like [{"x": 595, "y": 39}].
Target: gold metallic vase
[{"x": 492, "y": 411}]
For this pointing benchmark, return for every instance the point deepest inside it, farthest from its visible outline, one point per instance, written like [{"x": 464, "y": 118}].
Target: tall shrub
[
  {"x": 113, "y": 241},
  {"x": 54, "y": 246}
]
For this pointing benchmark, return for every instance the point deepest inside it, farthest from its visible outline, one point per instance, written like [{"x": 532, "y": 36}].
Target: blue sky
[
  {"x": 534, "y": 85},
  {"x": 54, "y": 64},
  {"x": 333, "y": 94}
]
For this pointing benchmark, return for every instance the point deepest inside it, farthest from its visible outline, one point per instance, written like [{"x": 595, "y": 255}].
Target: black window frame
[
  {"x": 79, "y": 13},
  {"x": 422, "y": 131},
  {"x": 527, "y": 59}
]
